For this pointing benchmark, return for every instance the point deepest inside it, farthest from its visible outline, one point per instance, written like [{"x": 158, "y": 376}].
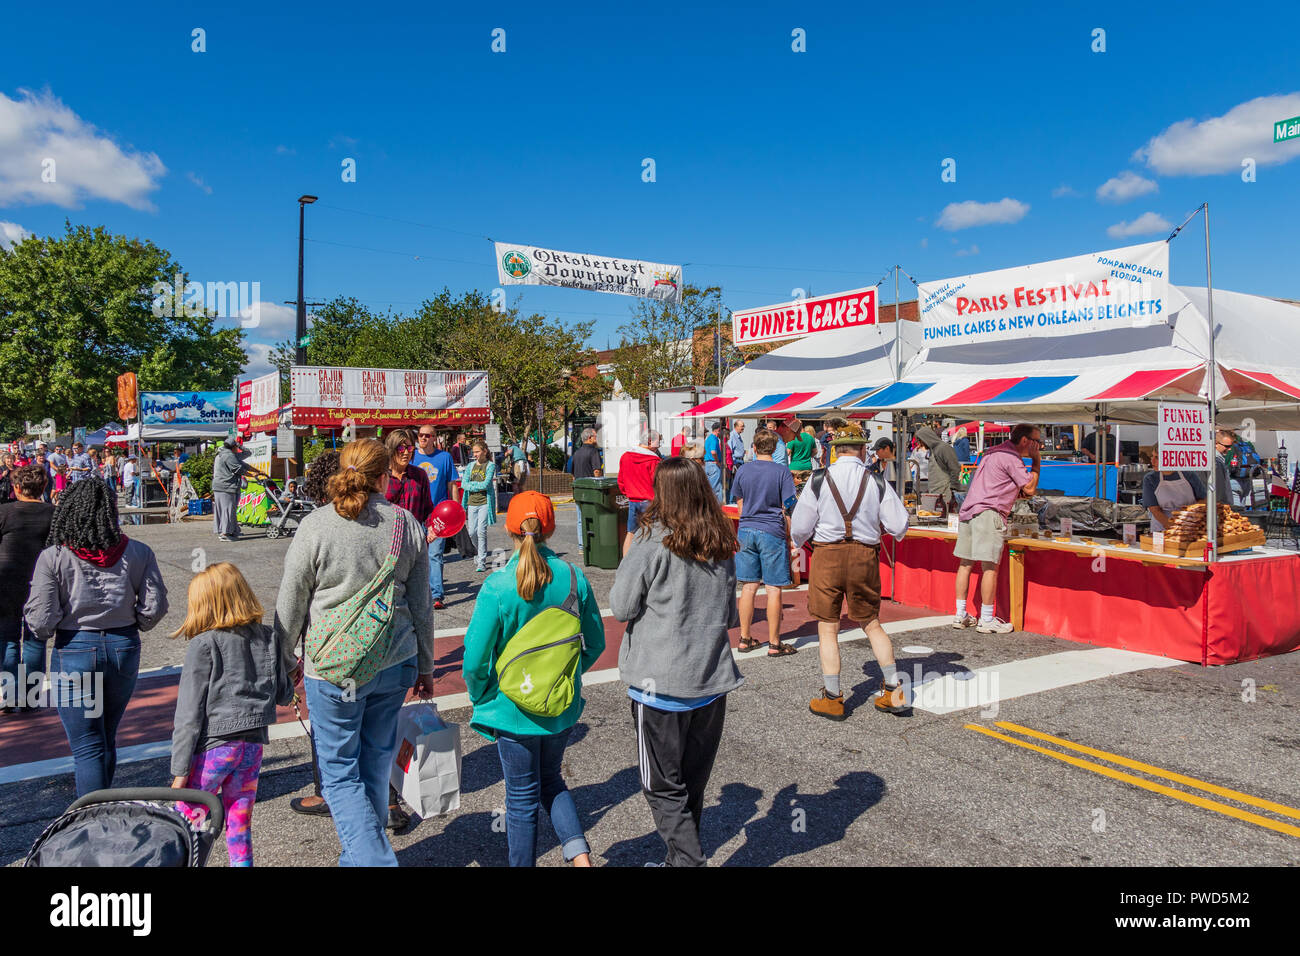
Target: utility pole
[{"x": 300, "y": 356}]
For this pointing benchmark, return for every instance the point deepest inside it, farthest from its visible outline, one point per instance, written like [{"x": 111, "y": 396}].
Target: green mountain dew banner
[{"x": 254, "y": 505}]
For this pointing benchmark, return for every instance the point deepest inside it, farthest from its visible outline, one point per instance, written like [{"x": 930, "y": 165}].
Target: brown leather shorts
[{"x": 845, "y": 571}]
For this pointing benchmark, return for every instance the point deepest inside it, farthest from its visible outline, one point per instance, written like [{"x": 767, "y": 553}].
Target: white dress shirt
[{"x": 820, "y": 519}]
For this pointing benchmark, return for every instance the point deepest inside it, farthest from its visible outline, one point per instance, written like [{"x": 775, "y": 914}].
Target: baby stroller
[
  {"x": 139, "y": 826},
  {"x": 285, "y": 505}
]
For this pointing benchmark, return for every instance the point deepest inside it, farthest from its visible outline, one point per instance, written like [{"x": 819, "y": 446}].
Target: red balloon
[{"x": 448, "y": 519}]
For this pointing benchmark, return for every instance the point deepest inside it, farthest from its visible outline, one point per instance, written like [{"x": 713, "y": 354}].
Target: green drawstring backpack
[
  {"x": 538, "y": 667},
  {"x": 349, "y": 644}
]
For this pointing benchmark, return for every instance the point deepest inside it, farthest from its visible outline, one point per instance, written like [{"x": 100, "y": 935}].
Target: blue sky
[{"x": 774, "y": 169}]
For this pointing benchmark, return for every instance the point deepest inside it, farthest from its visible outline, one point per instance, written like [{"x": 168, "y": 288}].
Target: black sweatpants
[{"x": 676, "y": 750}]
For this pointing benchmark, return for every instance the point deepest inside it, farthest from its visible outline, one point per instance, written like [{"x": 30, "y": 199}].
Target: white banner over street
[
  {"x": 537, "y": 265},
  {"x": 1119, "y": 288}
]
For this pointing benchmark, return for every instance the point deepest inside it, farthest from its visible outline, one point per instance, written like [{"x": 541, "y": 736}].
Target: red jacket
[{"x": 636, "y": 474}]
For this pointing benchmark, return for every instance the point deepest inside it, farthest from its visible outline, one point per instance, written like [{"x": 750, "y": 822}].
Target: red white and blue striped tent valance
[
  {"x": 751, "y": 404},
  {"x": 974, "y": 391}
]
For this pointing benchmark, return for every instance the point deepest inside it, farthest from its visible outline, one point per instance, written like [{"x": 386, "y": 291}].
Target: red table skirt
[{"x": 1236, "y": 611}]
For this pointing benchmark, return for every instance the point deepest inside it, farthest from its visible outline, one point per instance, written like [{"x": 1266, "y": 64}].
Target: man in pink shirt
[{"x": 999, "y": 479}]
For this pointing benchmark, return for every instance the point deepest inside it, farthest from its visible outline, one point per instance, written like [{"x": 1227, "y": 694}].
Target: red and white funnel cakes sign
[
  {"x": 800, "y": 317},
  {"x": 324, "y": 396}
]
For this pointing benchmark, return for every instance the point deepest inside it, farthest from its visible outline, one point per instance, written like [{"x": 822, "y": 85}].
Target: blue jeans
[
  {"x": 762, "y": 557},
  {"x": 355, "y": 741},
  {"x": 437, "y": 555},
  {"x": 476, "y": 520},
  {"x": 714, "y": 474},
  {"x": 18, "y": 646},
  {"x": 92, "y": 677},
  {"x": 531, "y": 766},
  {"x": 634, "y": 509}
]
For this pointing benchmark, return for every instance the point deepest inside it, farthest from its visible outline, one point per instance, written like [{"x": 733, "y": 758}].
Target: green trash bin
[{"x": 603, "y": 521}]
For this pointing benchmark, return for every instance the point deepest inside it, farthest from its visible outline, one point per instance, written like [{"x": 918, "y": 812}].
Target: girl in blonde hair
[
  {"x": 230, "y": 685},
  {"x": 531, "y": 746}
]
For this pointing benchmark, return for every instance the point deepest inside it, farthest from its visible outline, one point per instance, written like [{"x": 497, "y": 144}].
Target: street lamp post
[{"x": 300, "y": 356}]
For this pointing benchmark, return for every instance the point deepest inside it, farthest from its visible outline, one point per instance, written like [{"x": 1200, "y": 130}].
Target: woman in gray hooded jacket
[{"x": 676, "y": 588}]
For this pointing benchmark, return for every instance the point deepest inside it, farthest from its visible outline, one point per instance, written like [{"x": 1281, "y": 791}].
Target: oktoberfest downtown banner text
[
  {"x": 1119, "y": 288},
  {"x": 538, "y": 265}
]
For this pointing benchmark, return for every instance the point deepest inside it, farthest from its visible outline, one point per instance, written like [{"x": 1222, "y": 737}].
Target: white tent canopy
[{"x": 824, "y": 371}]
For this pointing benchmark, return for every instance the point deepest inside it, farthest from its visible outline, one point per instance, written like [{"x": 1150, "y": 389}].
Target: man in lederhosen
[{"x": 844, "y": 509}]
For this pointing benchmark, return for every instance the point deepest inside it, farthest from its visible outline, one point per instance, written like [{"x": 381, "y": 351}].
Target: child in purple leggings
[{"x": 231, "y": 682}]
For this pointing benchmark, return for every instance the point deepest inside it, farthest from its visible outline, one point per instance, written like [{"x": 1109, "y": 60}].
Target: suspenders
[{"x": 848, "y": 513}]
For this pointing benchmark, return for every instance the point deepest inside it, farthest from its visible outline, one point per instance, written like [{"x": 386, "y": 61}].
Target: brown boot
[
  {"x": 891, "y": 700},
  {"x": 824, "y": 705}
]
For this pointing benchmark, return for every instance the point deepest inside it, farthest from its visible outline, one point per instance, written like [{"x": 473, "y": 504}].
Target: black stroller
[{"x": 139, "y": 826}]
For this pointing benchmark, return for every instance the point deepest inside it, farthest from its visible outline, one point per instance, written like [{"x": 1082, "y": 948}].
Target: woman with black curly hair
[
  {"x": 316, "y": 485},
  {"x": 94, "y": 590}
]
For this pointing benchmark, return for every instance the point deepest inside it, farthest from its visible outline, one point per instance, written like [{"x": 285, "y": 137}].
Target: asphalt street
[{"x": 1184, "y": 765}]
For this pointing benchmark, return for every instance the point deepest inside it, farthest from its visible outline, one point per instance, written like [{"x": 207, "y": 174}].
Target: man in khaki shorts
[
  {"x": 999, "y": 479},
  {"x": 844, "y": 509}
]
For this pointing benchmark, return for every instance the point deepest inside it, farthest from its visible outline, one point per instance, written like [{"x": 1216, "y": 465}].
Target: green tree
[
  {"x": 656, "y": 348},
  {"x": 529, "y": 359},
  {"x": 78, "y": 310}
]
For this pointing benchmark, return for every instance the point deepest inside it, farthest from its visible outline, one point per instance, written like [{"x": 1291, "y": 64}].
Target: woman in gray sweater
[
  {"x": 336, "y": 552},
  {"x": 94, "y": 590},
  {"x": 676, "y": 588}
]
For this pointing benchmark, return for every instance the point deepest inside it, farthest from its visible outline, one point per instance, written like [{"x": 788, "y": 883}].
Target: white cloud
[
  {"x": 1127, "y": 185},
  {"x": 974, "y": 250},
  {"x": 341, "y": 140},
  {"x": 285, "y": 151},
  {"x": 11, "y": 233},
  {"x": 963, "y": 215},
  {"x": 275, "y": 324},
  {"x": 1063, "y": 190},
  {"x": 1143, "y": 225},
  {"x": 924, "y": 243},
  {"x": 1220, "y": 143},
  {"x": 87, "y": 163},
  {"x": 198, "y": 181}
]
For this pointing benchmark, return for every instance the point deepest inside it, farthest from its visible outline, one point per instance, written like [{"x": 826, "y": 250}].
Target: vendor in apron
[{"x": 1164, "y": 492}]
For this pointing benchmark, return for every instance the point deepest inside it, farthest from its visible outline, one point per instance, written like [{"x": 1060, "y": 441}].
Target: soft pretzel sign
[
  {"x": 792, "y": 320},
  {"x": 327, "y": 397}
]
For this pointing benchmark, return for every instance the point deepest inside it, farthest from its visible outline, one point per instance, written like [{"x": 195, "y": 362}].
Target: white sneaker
[
  {"x": 995, "y": 626},
  {"x": 964, "y": 621}
]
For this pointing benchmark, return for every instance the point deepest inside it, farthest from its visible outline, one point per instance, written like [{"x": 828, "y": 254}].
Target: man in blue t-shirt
[
  {"x": 779, "y": 454},
  {"x": 764, "y": 492},
  {"x": 713, "y": 461},
  {"x": 440, "y": 468}
]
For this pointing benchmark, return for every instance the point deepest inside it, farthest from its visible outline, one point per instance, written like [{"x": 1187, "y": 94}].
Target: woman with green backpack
[
  {"x": 536, "y": 629},
  {"x": 356, "y": 579}
]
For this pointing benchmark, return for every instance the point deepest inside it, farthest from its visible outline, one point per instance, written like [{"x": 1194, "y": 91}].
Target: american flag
[{"x": 1294, "y": 508}]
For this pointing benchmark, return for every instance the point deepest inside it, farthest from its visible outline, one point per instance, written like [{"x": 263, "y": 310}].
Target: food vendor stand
[
  {"x": 355, "y": 400},
  {"x": 1099, "y": 591}
]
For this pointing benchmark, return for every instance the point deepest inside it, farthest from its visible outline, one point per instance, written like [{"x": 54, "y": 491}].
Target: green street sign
[
  {"x": 1286, "y": 129},
  {"x": 305, "y": 341}
]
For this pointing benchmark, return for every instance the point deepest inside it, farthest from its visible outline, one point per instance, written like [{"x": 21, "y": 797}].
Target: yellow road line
[
  {"x": 1218, "y": 791},
  {"x": 1147, "y": 784}
]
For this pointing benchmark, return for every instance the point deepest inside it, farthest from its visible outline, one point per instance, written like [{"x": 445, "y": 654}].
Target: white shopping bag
[{"x": 426, "y": 766}]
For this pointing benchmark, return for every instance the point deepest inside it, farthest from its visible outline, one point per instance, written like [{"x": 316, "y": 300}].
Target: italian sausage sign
[
  {"x": 1119, "y": 288},
  {"x": 792, "y": 320}
]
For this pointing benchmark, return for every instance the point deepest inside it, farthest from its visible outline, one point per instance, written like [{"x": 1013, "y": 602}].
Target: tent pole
[{"x": 1211, "y": 506}]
